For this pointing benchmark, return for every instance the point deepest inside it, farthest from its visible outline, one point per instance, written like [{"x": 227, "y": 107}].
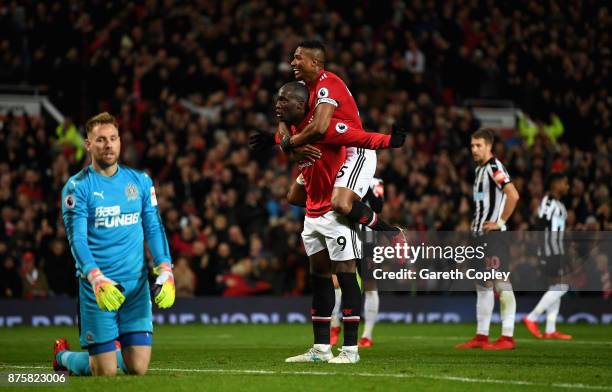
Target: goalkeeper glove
[
  {"x": 261, "y": 140},
  {"x": 164, "y": 290},
  {"x": 398, "y": 136},
  {"x": 109, "y": 294}
]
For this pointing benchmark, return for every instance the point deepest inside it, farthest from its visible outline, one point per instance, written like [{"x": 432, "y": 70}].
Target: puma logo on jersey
[{"x": 99, "y": 194}]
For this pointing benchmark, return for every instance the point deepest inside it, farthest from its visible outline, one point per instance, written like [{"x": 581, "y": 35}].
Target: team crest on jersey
[
  {"x": 341, "y": 127},
  {"x": 70, "y": 201},
  {"x": 323, "y": 93},
  {"x": 131, "y": 192}
]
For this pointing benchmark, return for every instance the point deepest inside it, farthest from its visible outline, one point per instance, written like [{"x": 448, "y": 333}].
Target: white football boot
[
  {"x": 317, "y": 353},
  {"x": 347, "y": 355}
]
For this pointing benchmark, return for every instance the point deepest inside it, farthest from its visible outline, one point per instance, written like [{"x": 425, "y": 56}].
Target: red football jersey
[
  {"x": 329, "y": 88},
  {"x": 345, "y": 130},
  {"x": 320, "y": 175}
]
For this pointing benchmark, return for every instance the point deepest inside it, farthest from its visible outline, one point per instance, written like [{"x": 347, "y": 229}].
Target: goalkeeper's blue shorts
[{"x": 135, "y": 315}]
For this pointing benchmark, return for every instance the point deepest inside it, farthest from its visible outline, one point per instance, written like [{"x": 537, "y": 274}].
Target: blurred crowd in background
[{"x": 189, "y": 80}]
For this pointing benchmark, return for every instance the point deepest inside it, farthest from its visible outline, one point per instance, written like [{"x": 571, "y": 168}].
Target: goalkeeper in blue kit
[{"x": 109, "y": 210}]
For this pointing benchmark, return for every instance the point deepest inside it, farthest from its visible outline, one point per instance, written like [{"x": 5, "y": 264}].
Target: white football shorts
[
  {"x": 334, "y": 232},
  {"x": 357, "y": 171}
]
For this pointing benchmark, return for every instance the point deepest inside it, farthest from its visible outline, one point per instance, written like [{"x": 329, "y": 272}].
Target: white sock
[
  {"x": 550, "y": 297},
  {"x": 551, "y": 316},
  {"x": 484, "y": 309},
  {"x": 553, "y": 310},
  {"x": 507, "y": 306},
  {"x": 335, "y": 321},
  {"x": 370, "y": 312},
  {"x": 322, "y": 347}
]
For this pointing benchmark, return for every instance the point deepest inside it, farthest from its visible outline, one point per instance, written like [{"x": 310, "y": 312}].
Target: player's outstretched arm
[
  {"x": 368, "y": 140},
  {"x": 261, "y": 140}
]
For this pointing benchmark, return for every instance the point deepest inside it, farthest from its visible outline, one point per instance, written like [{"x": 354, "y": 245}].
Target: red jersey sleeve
[
  {"x": 330, "y": 90},
  {"x": 341, "y": 134}
]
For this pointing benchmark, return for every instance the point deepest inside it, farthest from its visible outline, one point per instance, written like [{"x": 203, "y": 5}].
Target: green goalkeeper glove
[
  {"x": 109, "y": 294},
  {"x": 164, "y": 290}
]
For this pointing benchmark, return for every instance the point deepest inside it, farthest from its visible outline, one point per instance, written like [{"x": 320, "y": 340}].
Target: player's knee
[
  {"x": 341, "y": 204},
  {"x": 138, "y": 369},
  {"x": 346, "y": 266},
  {"x": 322, "y": 271},
  {"x": 105, "y": 370}
]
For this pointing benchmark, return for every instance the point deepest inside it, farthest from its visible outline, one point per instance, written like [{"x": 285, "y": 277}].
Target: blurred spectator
[
  {"x": 240, "y": 280},
  {"x": 33, "y": 280},
  {"x": 194, "y": 78},
  {"x": 184, "y": 278},
  {"x": 10, "y": 281}
]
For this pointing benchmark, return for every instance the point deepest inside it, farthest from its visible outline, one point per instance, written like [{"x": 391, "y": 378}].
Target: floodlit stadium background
[{"x": 188, "y": 81}]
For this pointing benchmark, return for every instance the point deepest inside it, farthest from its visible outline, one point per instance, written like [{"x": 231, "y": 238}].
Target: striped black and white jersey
[
  {"x": 489, "y": 197},
  {"x": 552, "y": 216}
]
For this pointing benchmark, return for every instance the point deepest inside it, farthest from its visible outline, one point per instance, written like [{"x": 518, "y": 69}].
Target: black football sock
[
  {"x": 363, "y": 214},
  {"x": 351, "y": 306},
  {"x": 323, "y": 300}
]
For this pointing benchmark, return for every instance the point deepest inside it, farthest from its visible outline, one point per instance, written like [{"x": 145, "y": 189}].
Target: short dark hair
[
  {"x": 298, "y": 90},
  {"x": 484, "y": 133},
  {"x": 100, "y": 119},
  {"x": 313, "y": 44},
  {"x": 554, "y": 177}
]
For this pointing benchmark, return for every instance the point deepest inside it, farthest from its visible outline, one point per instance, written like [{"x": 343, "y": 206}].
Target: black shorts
[
  {"x": 553, "y": 266},
  {"x": 497, "y": 251}
]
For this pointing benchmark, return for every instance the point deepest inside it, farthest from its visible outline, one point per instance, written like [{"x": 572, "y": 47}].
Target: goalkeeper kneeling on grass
[{"x": 109, "y": 210}]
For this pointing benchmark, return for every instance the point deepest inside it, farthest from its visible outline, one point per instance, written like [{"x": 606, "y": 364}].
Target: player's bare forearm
[
  {"x": 297, "y": 195},
  {"x": 317, "y": 128},
  {"x": 283, "y": 130},
  {"x": 512, "y": 198}
]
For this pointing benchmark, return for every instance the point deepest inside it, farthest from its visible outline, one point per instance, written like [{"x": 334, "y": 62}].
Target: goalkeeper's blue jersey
[{"x": 107, "y": 220}]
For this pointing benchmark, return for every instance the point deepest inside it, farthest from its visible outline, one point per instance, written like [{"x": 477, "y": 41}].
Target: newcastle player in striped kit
[
  {"x": 551, "y": 220},
  {"x": 495, "y": 199}
]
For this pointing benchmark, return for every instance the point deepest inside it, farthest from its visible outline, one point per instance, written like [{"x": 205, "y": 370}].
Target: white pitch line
[
  {"x": 387, "y": 375},
  {"x": 358, "y": 374},
  {"x": 460, "y": 338}
]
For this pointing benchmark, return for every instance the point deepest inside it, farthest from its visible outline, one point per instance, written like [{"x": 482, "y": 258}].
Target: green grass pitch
[{"x": 404, "y": 357}]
